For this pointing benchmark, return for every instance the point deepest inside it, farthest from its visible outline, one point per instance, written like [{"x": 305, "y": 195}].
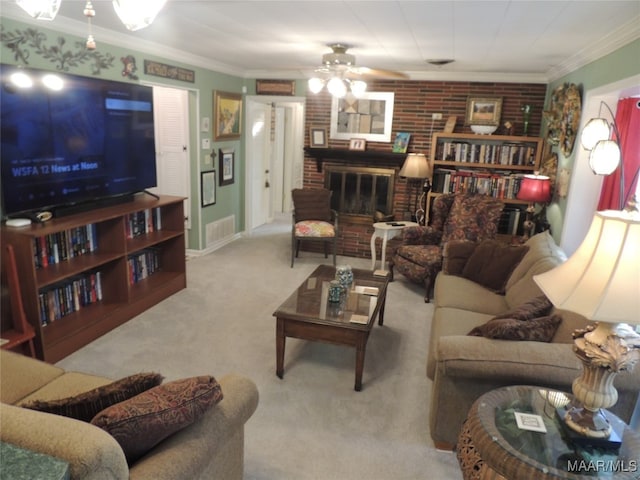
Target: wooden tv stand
[{"x": 85, "y": 274}]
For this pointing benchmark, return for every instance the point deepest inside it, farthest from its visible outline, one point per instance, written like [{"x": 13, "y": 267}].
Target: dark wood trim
[{"x": 371, "y": 157}]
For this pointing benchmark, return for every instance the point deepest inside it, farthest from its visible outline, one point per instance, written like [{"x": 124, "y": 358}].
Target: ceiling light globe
[
  {"x": 40, "y": 9},
  {"x": 595, "y": 130},
  {"x": 605, "y": 157},
  {"x": 337, "y": 87},
  {"x": 53, "y": 82},
  {"x": 358, "y": 87},
  {"x": 315, "y": 84},
  {"x": 21, "y": 80},
  {"x": 136, "y": 14}
]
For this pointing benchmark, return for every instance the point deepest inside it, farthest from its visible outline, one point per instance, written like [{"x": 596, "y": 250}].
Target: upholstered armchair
[
  {"x": 468, "y": 217},
  {"x": 313, "y": 220}
]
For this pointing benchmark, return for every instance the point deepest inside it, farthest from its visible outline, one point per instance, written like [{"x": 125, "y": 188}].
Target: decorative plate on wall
[
  {"x": 570, "y": 119},
  {"x": 553, "y": 116}
]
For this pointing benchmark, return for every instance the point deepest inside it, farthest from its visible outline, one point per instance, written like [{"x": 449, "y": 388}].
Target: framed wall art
[
  {"x": 227, "y": 111},
  {"x": 357, "y": 144},
  {"x": 208, "y": 188},
  {"x": 227, "y": 167},
  {"x": 401, "y": 143},
  {"x": 483, "y": 111},
  {"x": 317, "y": 137},
  {"x": 369, "y": 117}
]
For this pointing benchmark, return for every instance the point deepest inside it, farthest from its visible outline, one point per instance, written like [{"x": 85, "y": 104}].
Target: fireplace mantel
[{"x": 371, "y": 157}]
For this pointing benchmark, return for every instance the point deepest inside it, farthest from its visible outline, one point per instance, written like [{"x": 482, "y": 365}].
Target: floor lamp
[
  {"x": 600, "y": 281},
  {"x": 416, "y": 168}
]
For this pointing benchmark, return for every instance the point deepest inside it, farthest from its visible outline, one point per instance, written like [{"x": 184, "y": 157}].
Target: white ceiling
[{"x": 496, "y": 40}]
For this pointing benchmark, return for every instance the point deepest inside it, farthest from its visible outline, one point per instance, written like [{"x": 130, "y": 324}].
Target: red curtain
[{"x": 628, "y": 121}]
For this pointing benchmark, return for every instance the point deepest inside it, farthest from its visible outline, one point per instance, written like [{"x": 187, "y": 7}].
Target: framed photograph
[
  {"x": 369, "y": 117},
  {"x": 318, "y": 137},
  {"x": 483, "y": 111},
  {"x": 227, "y": 111},
  {"x": 357, "y": 144},
  {"x": 227, "y": 167},
  {"x": 401, "y": 143},
  {"x": 208, "y": 188},
  {"x": 204, "y": 125},
  {"x": 275, "y": 87}
]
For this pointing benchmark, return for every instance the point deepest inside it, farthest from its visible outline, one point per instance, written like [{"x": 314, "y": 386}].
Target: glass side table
[
  {"x": 492, "y": 447},
  {"x": 21, "y": 464}
]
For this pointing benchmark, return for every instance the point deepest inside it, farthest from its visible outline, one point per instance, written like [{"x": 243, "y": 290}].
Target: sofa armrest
[
  {"x": 91, "y": 452},
  {"x": 213, "y": 447}
]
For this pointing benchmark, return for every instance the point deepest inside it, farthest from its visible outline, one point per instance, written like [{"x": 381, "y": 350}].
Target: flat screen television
[{"x": 86, "y": 142}]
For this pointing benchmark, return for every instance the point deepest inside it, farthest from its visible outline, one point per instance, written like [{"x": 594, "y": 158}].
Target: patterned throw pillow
[
  {"x": 86, "y": 405},
  {"x": 140, "y": 423},
  {"x": 536, "y": 307},
  {"x": 540, "y": 329}
]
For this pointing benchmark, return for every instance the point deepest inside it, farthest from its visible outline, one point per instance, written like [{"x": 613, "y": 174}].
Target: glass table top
[
  {"x": 357, "y": 308},
  {"x": 552, "y": 452}
]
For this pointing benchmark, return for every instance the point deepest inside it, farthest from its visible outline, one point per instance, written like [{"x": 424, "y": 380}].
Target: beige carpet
[{"x": 311, "y": 424}]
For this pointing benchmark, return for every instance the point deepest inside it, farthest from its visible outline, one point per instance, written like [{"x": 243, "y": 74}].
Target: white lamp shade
[
  {"x": 40, "y": 9},
  {"x": 315, "y": 84},
  {"x": 358, "y": 87},
  {"x": 605, "y": 157},
  {"x": 601, "y": 280},
  {"x": 137, "y": 14},
  {"x": 415, "y": 166},
  {"x": 337, "y": 87},
  {"x": 595, "y": 130}
]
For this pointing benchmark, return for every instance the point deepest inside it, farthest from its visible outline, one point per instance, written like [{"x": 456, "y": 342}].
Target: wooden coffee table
[{"x": 307, "y": 314}]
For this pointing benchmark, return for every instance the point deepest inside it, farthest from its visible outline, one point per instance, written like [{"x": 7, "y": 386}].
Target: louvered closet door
[{"x": 171, "y": 113}]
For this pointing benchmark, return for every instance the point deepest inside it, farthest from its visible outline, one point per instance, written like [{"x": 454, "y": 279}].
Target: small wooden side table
[
  {"x": 492, "y": 447},
  {"x": 386, "y": 231}
]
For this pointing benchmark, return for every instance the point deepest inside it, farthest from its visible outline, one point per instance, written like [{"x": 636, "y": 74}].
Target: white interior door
[
  {"x": 171, "y": 119},
  {"x": 258, "y": 152}
]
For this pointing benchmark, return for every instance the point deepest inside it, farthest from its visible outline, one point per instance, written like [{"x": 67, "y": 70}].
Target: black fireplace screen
[{"x": 360, "y": 191}]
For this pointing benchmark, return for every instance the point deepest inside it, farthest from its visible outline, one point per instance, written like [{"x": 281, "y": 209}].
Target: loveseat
[
  {"x": 463, "y": 367},
  {"x": 210, "y": 448}
]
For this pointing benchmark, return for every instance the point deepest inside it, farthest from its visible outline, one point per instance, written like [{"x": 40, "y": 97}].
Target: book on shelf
[
  {"x": 64, "y": 298},
  {"x": 61, "y": 246}
]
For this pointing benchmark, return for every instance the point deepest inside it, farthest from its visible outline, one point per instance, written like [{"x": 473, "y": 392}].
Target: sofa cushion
[
  {"x": 464, "y": 294},
  {"x": 455, "y": 255},
  {"x": 492, "y": 262},
  {"x": 86, "y": 405},
  {"x": 541, "y": 329},
  {"x": 143, "y": 421},
  {"x": 22, "y": 375}
]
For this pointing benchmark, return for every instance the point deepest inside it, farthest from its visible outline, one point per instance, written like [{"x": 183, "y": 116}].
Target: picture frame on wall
[
  {"x": 227, "y": 108},
  {"x": 483, "y": 111},
  {"x": 208, "y": 188},
  {"x": 357, "y": 144},
  {"x": 401, "y": 143},
  {"x": 227, "y": 166},
  {"x": 370, "y": 117},
  {"x": 317, "y": 137}
]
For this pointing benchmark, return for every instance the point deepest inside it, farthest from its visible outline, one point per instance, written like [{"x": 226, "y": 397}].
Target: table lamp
[
  {"x": 534, "y": 189},
  {"x": 600, "y": 281},
  {"x": 416, "y": 168}
]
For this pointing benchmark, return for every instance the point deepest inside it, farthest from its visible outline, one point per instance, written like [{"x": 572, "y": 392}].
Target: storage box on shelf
[
  {"x": 488, "y": 164},
  {"x": 85, "y": 274}
]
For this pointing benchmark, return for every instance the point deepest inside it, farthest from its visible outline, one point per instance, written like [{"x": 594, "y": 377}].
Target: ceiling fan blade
[{"x": 355, "y": 72}]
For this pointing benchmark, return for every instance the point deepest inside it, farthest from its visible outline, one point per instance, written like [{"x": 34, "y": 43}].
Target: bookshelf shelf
[
  {"x": 83, "y": 290},
  {"x": 486, "y": 164}
]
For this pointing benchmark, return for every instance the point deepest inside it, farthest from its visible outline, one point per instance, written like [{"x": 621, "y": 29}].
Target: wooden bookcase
[
  {"x": 489, "y": 164},
  {"x": 93, "y": 290}
]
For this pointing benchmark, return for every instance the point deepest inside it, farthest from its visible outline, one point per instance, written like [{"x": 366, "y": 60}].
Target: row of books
[
  {"x": 499, "y": 185},
  {"x": 143, "y": 222},
  {"x": 60, "y": 246},
  {"x": 512, "y": 221},
  {"x": 70, "y": 296},
  {"x": 495, "y": 154},
  {"x": 142, "y": 264}
]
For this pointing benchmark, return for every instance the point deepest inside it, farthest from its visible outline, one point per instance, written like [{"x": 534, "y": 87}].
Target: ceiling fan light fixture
[
  {"x": 358, "y": 87},
  {"x": 315, "y": 84},
  {"x": 40, "y": 9},
  {"x": 337, "y": 87},
  {"x": 136, "y": 14}
]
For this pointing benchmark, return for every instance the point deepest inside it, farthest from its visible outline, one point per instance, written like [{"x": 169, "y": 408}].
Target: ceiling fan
[{"x": 339, "y": 73}]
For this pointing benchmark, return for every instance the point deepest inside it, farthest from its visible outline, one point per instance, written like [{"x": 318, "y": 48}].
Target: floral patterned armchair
[{"x": 468, "y": 217}]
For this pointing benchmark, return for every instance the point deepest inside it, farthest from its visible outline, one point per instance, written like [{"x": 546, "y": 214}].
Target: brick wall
[{"x": 414, "y": 103}]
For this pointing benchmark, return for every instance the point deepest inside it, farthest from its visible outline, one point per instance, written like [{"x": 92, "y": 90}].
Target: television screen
[{"x": 68, "y": 139}]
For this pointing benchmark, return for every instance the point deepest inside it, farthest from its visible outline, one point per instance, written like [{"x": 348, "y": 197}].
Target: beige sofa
[
  {"x": 212, "y": 448},
  {"x": 464, "y": 367}
]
